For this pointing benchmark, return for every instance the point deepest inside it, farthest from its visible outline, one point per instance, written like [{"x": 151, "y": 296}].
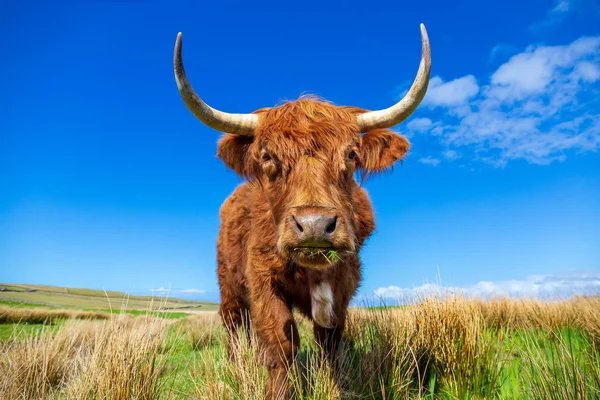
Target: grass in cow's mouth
[
  {"x": 330, "y": 255},
  {"x": 333, "y": 255}
]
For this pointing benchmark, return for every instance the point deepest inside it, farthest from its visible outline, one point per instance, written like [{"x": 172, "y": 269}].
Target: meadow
[
  {"x": 90, "y": 299},
  {"x": 436, "y": 348}
]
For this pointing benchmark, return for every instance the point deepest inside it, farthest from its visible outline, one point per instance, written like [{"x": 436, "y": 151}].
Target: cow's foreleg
[{"x": 278, "y": 340}]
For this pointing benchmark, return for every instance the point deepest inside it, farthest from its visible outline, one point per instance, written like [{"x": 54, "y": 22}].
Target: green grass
[
  {"x": 18, "y": 304},
  {"x": 22, "y": 331}
]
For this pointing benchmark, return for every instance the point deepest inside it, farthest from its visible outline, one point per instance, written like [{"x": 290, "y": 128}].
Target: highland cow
[{"x": 290, "y": 236}]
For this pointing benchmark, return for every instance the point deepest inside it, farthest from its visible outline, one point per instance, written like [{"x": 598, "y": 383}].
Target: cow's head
[{"x": 303, "y": 154}]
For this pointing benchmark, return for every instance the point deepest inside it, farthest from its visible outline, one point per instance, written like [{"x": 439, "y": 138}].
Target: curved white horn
[
  {"x": 400, "y": 111},
  {"x": 242, "y": 124}
]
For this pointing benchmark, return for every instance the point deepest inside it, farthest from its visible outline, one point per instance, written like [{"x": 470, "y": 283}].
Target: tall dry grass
[
  {"x": 13, "y": 315},
  {"x": 434, "y": 349},
  {"x": 579, "y": 312},
  {"x": 412, "y": 351},
  {"x": 113, "y": 359},
  {"x": 202, "y": 331},
  {"x": 437, "y": 348}
]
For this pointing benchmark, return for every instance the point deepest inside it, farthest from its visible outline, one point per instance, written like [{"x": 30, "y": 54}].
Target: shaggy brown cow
[{"x": 290, "y": 236}]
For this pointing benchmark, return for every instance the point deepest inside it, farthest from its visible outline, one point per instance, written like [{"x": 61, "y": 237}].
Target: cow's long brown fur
[{"x": 309, "y": 164}]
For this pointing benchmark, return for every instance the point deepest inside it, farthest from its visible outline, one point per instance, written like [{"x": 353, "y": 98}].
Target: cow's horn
[
  {"x": 242, "y": 124},
  {"x": 400, "y": 111}
]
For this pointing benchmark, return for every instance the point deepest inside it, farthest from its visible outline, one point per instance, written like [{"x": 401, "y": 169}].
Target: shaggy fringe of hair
[{"x": 315, "y": 126}]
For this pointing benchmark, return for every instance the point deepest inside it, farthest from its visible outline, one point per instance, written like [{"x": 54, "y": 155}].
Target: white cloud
[
  {"x": 554, "y": 16},
  {"x": 539, "y": 104},
  {"x": 430, "y": 161},
  {"x": 161, "y": 291},
  {"x": 561, "y": 7},
  {"x": 191, "y": 291},
  {"x": 536, "y": 70},
  {"x": 523, "y": 74},
  {"x": 587, "y": 72},
  {"x": 396, "y": 292},
  {"x": 450, "y": 155},
  {"x": 419, "y": 124},
  {"x": 542, "y": 286},
  {"x": 455, "y": 92}
]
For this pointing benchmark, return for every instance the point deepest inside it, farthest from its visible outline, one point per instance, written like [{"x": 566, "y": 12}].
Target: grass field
[
  {"x": 435, "y": 349},
  {"x": 88, "y": 299}
]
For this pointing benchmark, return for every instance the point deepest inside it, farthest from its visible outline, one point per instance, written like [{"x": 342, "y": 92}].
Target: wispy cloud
[
  {"x": 419, "y": 124},
  {"x": 450, "y": 155},
  {"x": 561, "y": 7},
  {"x": 453, "y": 93},
  {"x": 161, "y": 291},
  {"x": 502, "y": 50},
  {"x": 430, "y": 161},
  {"x": 539, "y": 104},
  {"x": 555, "y": 15},
  {"x": 191, "y": 291},
  {"x": 542, "y": 286}
]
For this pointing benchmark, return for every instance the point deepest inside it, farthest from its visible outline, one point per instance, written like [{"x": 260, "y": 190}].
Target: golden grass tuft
[
  {"x": 580, "y": 312},
  {"x": 238, "y": 378},
  {"x": 113, "y": 359},
  {"x": 44, "y": 316},
  {"x": 202, "y": 331}
]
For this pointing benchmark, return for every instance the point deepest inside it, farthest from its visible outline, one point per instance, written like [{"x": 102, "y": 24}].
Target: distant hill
[{"x": 90, "y": 299}]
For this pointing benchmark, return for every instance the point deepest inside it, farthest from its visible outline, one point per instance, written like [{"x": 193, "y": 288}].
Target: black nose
[{"x": 315, "y": 227}]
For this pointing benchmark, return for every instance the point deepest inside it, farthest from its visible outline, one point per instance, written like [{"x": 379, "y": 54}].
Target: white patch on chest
[{"x": 321, "y": 298}]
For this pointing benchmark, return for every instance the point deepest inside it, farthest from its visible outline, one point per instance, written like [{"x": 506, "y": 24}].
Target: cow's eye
[
  {"x": 352, "y": 155},
  {"x": 266, "y": 157}
]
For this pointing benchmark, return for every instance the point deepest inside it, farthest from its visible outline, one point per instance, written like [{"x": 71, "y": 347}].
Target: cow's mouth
[{"x": 322, "y": 257}]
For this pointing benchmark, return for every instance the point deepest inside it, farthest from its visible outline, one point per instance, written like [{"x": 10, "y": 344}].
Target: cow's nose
[{"x": 315, "y": 226}]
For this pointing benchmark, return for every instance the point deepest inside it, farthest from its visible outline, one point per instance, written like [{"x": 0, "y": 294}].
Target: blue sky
[{"x": 107, "y": 181}]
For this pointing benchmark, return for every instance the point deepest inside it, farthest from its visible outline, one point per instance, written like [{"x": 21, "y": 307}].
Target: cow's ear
[
  {"x": 234, "y": 151},
  {"x": 380, "y": 149}
]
